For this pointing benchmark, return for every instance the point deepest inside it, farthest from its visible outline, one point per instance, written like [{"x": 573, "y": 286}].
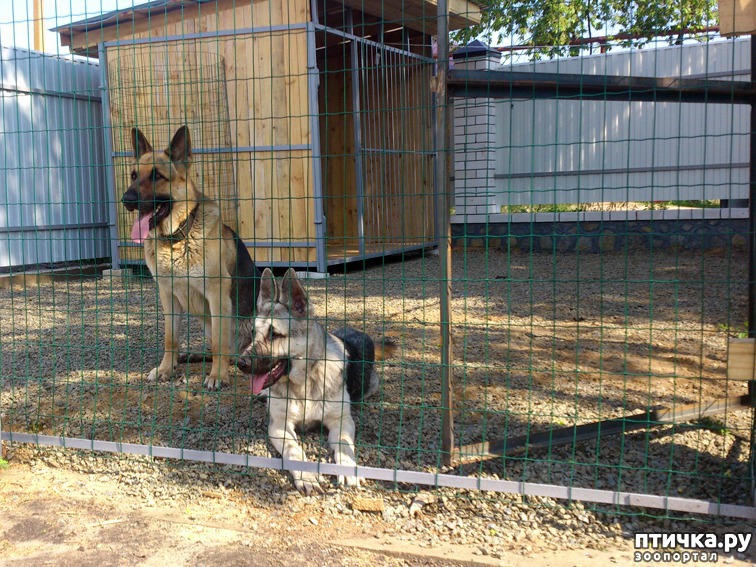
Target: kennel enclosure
[{"x": 325, "y": 154}]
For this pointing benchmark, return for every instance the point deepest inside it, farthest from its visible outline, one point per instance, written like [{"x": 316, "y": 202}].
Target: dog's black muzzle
[
  {"x": 245, "y": 364},
  {"x": 160, "y": 204},
  {"x": 250, "y": 364},
  {"x": 130, "y": 199}
]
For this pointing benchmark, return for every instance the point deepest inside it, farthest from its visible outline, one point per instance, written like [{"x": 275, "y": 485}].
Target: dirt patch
[
  {"x": 30, "y": 528},
  {"x": 43, "y": 525},
  {"x": 67, "y": 518}
]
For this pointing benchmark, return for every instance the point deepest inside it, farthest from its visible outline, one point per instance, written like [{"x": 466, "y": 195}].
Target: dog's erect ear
[
  {"x": 293, "y": 295},
  {"x": 268, "y": 290},
  {"x": 139, "y": 143},
  {"x": 180, "y": 150}
]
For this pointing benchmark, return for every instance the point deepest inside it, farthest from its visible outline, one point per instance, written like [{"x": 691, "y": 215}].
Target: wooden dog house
[{"x": 311, "y": 122}]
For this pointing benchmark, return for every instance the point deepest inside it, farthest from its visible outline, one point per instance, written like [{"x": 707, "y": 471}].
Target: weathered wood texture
[{"x": 266, "y": 193}]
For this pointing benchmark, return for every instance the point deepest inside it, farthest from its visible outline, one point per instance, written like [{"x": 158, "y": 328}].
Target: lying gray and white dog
[{"x": 311, "y": 376}]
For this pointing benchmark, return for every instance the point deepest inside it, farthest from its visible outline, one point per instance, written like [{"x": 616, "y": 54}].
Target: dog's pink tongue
[
  {"x": 141, "y": 228},
  {"x": 257, "y": 383}
]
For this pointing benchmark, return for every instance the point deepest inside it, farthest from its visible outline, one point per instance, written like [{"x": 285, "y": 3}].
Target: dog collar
[{"x": 183, "y": 229}]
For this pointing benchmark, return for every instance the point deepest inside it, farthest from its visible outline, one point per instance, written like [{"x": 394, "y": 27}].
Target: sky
[{"x": 16, "y": 27}]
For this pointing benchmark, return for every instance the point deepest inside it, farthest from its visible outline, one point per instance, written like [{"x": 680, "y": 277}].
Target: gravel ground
[
  {"x": 539, "y": 342},
  {"x": 413, "y": 523}
]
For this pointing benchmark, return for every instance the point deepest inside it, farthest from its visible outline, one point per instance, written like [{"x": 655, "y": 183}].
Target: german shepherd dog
[
  {"x": 201, "y": 266},
  {"x": 311, "y": 376}
]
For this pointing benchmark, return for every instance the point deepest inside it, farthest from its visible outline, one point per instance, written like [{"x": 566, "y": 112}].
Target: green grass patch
[
  {"x": 714, "y": 425},
  {"x": 734, "y": 332},
  {"x": 563, "y": 208},
  {"x": 582, "y": 207}
]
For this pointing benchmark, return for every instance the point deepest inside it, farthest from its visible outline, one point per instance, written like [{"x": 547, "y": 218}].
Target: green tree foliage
[{"x": 550, "y": 26}]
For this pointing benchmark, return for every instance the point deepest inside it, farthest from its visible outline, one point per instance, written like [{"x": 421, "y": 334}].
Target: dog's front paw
[
  {"x": 213, "y": 382},
  {"x": 349, "y": 481},
  {"x": 346, "y": 460},
  {"x": 308, "y": 483},
  {"x": 156, "y": 375}
]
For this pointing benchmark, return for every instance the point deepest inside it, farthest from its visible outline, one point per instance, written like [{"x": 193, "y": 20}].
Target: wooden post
[{"x": 39, "y": 28}]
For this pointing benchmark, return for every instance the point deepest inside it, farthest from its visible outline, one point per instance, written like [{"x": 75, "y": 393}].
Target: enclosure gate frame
[
  {"x": 355, "y": 41},
  {"x": 322, "y": 261}
]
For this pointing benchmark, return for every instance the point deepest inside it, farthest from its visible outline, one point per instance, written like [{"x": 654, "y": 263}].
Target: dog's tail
[{"x": 385, "y": 349}]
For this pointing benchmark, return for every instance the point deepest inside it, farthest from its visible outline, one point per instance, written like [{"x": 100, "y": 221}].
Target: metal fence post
[{"x": 444, "y": 231}]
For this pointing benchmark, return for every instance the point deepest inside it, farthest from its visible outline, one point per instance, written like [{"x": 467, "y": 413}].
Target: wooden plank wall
[{"x": 267, "y": 92}]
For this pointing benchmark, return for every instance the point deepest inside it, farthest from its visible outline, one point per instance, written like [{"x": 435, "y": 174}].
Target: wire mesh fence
[{"x": 598, "y": 274}]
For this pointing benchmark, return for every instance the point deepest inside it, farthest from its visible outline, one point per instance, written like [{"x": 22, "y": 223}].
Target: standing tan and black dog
[{"x": 201, "y": 266}]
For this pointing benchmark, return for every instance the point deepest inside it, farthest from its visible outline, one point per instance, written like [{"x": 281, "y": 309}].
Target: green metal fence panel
[{"x": 275, "y": 172}]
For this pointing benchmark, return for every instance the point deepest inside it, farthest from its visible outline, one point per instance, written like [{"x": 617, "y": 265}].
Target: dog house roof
[{"x": 83, "y": 36}]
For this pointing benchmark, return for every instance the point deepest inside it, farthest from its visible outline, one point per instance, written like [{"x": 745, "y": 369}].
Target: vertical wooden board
[
  {"x": 415, "y": 78},
  {"x": 396, "y": 228},
  {"x": 390, "y": 142},
  {"x": 273, "y": 173},
  {"x": 293, "y": 197},
  {"x": 380, "y": 179},
  {"x": 267, "y": 13},
  {"x": 254, "y": 77},
  {"x": 124, "y": 218},
  {"x": 310, "y": 232},
  {"x": 301, "y": 87},
  {"x": 237, "y": 95},
  {"x": 260, "y": 98},
  {"x": 283, "y": 197},
  {"x": 208, "y": 19},
  {"x": 263, "y": 191},
  {"x": 409, "y": 191},
  {"x": 229, "y": 48},
  {"x": 300, "y": 11},
  {"x": 245, "y": 195},
  {"x": 280, "y": 12},
  {"x": 279, "y": 119},
  {"x": 131, "y": 253},
  {"x": 421, "y": 77},
  {"x": 741, "y": 354},
  {"x": 304, "y": 209},
  {"x": 297, "y": 84},
  {"x": 337, "y": 143},
  {"x": 295, "y": 131},
  {"x": 245, "y": 54},
  {"x": 282, "y": 102},
  {"x": 264, "y": 133},
  {"x": 252, "y": 208}
]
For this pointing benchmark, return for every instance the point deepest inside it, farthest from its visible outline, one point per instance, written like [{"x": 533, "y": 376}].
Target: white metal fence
[
  {"x": 52, "y": 177},
  {"x": 527, "y": 152}
]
